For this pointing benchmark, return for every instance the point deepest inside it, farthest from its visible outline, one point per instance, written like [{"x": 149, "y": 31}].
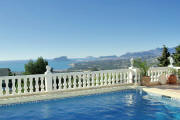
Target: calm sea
[{"x": 18, "y": 66}]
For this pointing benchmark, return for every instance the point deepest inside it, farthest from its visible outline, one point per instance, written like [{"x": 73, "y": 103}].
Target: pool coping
[
  {"x": 162, "y": 92},
  {"x": 63, "y": 94},
  {"x": 59, "y": 94}
]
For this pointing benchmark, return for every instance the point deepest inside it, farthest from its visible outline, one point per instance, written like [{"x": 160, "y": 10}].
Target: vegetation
[
  {"x": 176, "y": 56},
  {"x": 37, "y": 67},
  {"x": 142, "y": 65},
  {"x": 100, "y": 65},
  {"x": 173, "y": 71},
  {"x": 11, "y": 73},
  {"x": 163, "y": 60}
]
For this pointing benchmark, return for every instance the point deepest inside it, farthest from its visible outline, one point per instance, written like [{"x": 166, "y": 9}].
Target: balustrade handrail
[
  {"x": 120, "y": 70},
  {"x": 22, "y": 76},
  {"x": 28, "y": 84}
]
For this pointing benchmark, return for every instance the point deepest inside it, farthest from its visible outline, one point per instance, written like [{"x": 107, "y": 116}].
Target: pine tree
[
  {"x": 176, "y": 56},
  {"x": 163, "y": 60},
  {"x": 37, "y": 67}
]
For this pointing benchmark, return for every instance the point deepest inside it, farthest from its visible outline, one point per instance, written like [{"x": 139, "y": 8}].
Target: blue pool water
[{"x": 122, "y": 105}]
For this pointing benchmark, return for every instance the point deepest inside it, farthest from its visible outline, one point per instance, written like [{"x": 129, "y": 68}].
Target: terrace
[{"x": 15, "y": 89}]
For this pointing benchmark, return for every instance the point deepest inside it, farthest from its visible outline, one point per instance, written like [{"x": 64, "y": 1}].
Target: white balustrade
[
  {"x": 49, "y": 82},
  {"x": 156, "y": 72}
]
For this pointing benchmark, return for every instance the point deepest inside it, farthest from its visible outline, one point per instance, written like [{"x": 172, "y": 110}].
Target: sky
[{"x": 80, "y": 28}]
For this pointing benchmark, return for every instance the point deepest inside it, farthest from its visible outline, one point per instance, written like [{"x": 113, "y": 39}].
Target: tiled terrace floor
[{"x": 166, "y": 90}]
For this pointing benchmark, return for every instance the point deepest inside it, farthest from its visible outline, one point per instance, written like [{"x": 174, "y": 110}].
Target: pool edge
[{"x": 63, "y": 94}]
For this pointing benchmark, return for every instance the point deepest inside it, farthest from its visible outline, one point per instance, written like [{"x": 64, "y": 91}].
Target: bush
[{"x": 142, "y": 65}]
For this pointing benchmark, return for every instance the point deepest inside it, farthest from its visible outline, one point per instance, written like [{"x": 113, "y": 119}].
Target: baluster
[
  {"x": 60, "y": 82},
  {"x": 25, "y": 85},
  {"x": 93, "y": 75},
  {"x": 36, "y": 84},
  {"x": 97, "y": 79},
  {"x": 55, "y": 83},
  {"x": 121, "y": 78},
  {"x": 151, "y": 76},
  {"x": 113, "y": 78},
  {"x": 80, "y": 82},
  {"x": 127, "y": 78},
  {"x": 135, "y": 78},
  {"x": 42, "y": 84},
  {"x": 31, "y": 84},
  {"x": 19, "y": 85},
  {"x": 117, "y": 77},
  {"x": 158, "y": 76},
  {"x": 74, "y": 82},
  {"x": 65, "y": 82},
  {"x": 84, "y": 80},
  {"x": 109, "y": 79},
  {"x": 69, "y": 82},
  {"x": 101, "y": 79},
  {"x": 7, "y": 86},
  {"x": 88, "y": 81},
  {"x": 155, "y": 73},
  {"x": 105, "y": 79},
  {"x": 154, "y": 76},
  {"x": 13, "y": 86},
  {"x": 124, "y": 75}
]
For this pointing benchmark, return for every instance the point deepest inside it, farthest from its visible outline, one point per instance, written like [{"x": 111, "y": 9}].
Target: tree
[
  {"x": 176, "y": 56},
  {"x": 37, "y": 67},
  {"x": 94, "y": 69},
  {"x": 163, "y": 60}
]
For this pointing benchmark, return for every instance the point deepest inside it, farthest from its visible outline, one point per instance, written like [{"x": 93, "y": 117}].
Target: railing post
[
  {"x": 133, "y": 74},
  {"x": 130, "y": 77},
  {"x": 48, "y": 79}
]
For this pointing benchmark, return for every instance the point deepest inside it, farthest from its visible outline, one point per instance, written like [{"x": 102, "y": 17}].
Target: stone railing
[
  {"x": 156, "y": 72},
  {"x": 49, "y": 82},
  {"x": 25, "y": 84}
]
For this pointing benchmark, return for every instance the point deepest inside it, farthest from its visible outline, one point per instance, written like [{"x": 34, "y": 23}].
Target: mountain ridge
[{"x": 142, "y": 54}]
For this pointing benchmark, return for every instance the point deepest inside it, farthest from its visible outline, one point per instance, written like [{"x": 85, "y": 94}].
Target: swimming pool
[{"x": 121, "y": 105}]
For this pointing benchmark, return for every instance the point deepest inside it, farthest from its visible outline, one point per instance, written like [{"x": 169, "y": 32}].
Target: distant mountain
[
  {"x": 86, "y": 59},
  {"x": 143, "y": 54},
  {"x": 115, "y": 62},
  {"x": 107, "y": 57},
  {"x": 89, "y": 58},
  {"x": 62, "y": 58},
  {"x": 146, "y": 54}
]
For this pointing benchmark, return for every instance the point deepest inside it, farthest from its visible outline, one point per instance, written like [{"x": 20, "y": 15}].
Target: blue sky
[{"x": 80, "y": 28}]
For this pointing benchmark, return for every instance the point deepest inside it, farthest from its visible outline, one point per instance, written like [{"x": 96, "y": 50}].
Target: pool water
[{"x": 121, "y": 105}]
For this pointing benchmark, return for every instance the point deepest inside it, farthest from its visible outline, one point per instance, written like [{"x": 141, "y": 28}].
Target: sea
[{"x": 18, "y": 65}]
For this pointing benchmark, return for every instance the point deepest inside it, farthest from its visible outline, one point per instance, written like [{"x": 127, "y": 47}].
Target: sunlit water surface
[{"x": 121, "y": 105}]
